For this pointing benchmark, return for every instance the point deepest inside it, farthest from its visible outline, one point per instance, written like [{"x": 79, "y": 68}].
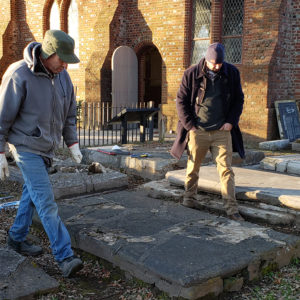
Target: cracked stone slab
[
  {"x": 251, "y": 184},
  {"x": 254, "y": 211},
  {"x": 184, "y": 252},
  {"x": 20, "y": 278}
]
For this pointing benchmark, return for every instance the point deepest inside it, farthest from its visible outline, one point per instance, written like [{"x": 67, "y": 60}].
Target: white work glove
[
  {"x": 75, "y": 153},
  {"x": 3, "y": 166}
]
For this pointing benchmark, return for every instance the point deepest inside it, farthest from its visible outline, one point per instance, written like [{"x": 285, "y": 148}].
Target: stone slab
[
  {"x": 79, "y": 183},
  {"x": 158, "y": 163},
  {"x": 21, "y": 279},
  {"x": 251, "y": 183},
  {"x": 152, "y": 167},
  {"x": 275, "y": 145},
  {"x": 184, "y": 252},
  {"x": 268, "y": 214},
  {"x": 282, "y": 163},
  {"x": 72, "y": 184}
]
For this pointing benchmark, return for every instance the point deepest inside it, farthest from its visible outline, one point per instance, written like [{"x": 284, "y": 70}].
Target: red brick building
[{"x": 262, "y": 38}]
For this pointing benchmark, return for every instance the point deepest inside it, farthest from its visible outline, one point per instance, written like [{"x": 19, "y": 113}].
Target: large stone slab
[
  {"x": 152, "y": 167},
  {"x": 269, "y": 214},
  {"x": 158, "y": 163},
  {"x": 21, "y": 279},
  {"x": 251, "y": 184},
  {"x": 185, "y": 252},
  {"x": 66, "y": 184}
]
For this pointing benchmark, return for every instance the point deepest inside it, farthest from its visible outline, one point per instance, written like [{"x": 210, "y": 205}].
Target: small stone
[{"x": 96, "y": 167}]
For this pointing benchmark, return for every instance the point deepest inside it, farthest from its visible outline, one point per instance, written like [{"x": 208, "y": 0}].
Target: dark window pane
[
  {"x": 233, "y": 16},
  {"x": 233, "y": 50},
  {"x": 232, "y": 29}
]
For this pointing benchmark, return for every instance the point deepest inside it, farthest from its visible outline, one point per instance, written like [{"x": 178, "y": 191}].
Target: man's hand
[
  {"x": 3, "y": 166},
  {"x": 75, "y": 153},
  {"x": 226, "y": 127}
]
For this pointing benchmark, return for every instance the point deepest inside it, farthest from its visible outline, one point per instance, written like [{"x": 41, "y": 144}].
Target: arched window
[
  {"x": 73, "y": 27},
  {"x": 54, "y": 16},
  {"x": 228, "y": 15},
  {"x": 201, "y": 28}
]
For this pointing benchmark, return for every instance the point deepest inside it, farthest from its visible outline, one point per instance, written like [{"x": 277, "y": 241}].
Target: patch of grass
[
  {"x": 269, "y": 269},
  {"x": 295, "y": 261}
]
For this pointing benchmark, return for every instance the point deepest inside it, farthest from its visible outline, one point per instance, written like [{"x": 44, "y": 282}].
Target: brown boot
[
  {"x": 236, "y": 217},
  {"x": 188, "y": 202}
]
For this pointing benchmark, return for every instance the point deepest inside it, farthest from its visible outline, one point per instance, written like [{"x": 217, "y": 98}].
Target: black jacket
[{"x": 191, "y": 92}]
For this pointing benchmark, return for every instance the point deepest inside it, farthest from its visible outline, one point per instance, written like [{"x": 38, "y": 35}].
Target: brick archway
[
  {"x": 64, "y": 15},
  {"x": 46, "y": 15}
]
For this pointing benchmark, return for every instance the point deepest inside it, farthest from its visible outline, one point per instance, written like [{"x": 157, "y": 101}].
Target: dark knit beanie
[{"x": 215, "y": 52}]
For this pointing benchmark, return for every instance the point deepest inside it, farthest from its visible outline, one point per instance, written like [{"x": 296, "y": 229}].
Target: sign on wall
[{"x": 288, "y": 119}]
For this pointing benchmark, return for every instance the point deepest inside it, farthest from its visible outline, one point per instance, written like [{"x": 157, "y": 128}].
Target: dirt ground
[{"x": 100, "y": 280}]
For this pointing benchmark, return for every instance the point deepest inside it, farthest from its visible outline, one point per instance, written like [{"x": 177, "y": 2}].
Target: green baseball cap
[{"x": 57, "y": 41}]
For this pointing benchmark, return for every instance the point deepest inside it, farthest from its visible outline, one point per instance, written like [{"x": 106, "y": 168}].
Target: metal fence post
[
  {"x": 151, "y": 121},
  {"x": 124, "y": 129}
]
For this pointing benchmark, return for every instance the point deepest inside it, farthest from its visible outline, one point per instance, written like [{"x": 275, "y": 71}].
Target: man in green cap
[{"x": 37, "y": 107}]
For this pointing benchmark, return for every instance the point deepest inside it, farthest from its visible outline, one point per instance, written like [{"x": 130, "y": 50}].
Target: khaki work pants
[{"x": 220, "y": 145}]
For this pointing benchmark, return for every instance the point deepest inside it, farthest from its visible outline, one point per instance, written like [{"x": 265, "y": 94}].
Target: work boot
[
  {"x": 236, "y": 217},
  {"x": 188, "y": 202},
  {"x": 69, "y": 266},
  {"x": 25, "y": 247}
]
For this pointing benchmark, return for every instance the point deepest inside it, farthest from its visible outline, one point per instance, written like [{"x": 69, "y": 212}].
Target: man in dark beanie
[
  {"x": 209, "y": 104},
  {"x": 37, "y": 107}
]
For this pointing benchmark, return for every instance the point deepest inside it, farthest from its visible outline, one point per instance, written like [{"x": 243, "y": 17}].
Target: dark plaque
[{"x": 288, "y": 119}]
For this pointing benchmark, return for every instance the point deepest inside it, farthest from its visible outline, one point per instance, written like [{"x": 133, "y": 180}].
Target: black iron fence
[{"x": 95, "y": 129}]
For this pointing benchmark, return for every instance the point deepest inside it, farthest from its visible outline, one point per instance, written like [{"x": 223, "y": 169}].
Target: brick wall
[
  {"x": 261, "y": 23},
  {"x": 270, "y": 59}
]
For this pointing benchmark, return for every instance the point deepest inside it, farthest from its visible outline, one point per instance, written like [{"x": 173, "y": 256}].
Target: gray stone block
[
  {"x": 73, "y": 184},
  {"x": 21, "y": 279},
  {"x": 293, "y": 167},
  {"x": 275, "y": 145}
]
